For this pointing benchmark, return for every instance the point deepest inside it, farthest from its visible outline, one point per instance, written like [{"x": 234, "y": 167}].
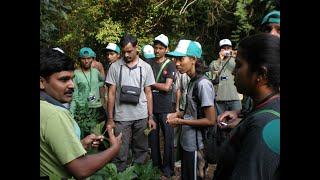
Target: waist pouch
[{"x": 130, "y": 94}]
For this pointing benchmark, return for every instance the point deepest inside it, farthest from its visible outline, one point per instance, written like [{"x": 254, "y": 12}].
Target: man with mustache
[
  {"x": 87, "y": 82},
  {"x": 130, "y": 118},
  {"x": 62, "y": 153}
]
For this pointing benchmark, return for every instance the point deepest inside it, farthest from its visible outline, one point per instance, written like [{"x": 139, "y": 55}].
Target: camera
[
  {"x": 91, "y": 98},
  {"x": 224, "y": 78},
  {"x": 228, "y": 53}
]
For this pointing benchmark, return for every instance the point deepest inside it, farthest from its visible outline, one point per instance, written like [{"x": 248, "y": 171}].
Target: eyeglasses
[{"x": 268, "y": 28}]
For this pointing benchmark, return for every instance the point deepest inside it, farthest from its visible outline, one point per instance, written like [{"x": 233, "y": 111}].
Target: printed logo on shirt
[{"x": 165, "y": 72}]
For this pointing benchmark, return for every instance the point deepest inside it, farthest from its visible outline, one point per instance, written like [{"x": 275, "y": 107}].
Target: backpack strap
[
  {"x": 259, "y": 112},
  {"x": 199, "y": 114},
  {"x": 269, "y": 111}
]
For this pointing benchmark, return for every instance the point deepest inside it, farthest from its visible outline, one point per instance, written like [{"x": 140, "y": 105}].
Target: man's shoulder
[
  {"x": 95, "y": 70},
  {"x": 171, "y": 62},
  {"x": 48, "y": 109},
  {"x": 144, "y": 64},
  {"x": 115, "y": 65},
  {"x": 96, "y": 64}
]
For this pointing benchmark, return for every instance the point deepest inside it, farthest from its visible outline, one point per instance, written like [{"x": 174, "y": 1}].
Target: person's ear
[
  {"x": 167, "y": 49},
  {"x": 194, "y": 60},
  {"x": 42, "y": 81},
  {"x": 262, "y": 72}
]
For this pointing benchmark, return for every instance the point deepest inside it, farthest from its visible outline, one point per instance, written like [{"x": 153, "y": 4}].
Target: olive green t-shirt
[{"x": 59, "y": 140}]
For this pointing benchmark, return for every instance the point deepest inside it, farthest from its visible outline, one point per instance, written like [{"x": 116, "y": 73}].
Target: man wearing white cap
[
  {"x": 227, "y": 96},
  {"x": 164, "y": 74},
  {"x": 269, "y": 24},
  {"x": 112, "y": 53}
]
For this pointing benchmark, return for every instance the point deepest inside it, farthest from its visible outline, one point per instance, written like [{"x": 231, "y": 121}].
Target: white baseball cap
[
  {"x": 186, "y": 48},
  {"x": 163, "y": 39},
  {"x": 225, "y": 42},
  {"x": 148, "y": 51},
  {"x": 112, "y": 47}
]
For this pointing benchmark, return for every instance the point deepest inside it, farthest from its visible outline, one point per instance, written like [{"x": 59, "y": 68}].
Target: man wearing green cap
[
  {"x": 87, "y": 82},
  {"x": 271, "y": 23}
]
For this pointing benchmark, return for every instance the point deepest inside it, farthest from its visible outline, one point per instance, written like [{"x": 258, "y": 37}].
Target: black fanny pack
[{"x": 129, "y": 94}]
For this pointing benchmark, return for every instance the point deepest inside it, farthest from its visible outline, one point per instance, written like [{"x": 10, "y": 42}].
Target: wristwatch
[{"x": 150, "y": 116}]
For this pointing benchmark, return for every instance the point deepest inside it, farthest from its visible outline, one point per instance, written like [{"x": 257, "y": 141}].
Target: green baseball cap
[
  {"x": 186, "y": 48},
  {"x": 272, "y": 17},
  {"x": 86, "y": 52}
]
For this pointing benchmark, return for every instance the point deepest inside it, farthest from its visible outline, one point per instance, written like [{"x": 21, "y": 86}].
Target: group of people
[{"x": 138, "y": 95}]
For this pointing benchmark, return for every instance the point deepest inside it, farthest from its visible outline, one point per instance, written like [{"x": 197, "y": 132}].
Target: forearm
[
  {"x": 178, "y": 99},
  {"x": 162, "y": 87},
  {"x": 149, "y": 100},
  {"x": 87, "y": 165},
  {"x": 195, "y": 122},
  {"x": 111, "y": 102},
  {"x": 208, "y": 120}
]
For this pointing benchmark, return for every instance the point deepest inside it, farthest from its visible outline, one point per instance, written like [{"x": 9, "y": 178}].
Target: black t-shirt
[
  {"x": 252, "y": 150},
  {"x": 162, "y": 100}
]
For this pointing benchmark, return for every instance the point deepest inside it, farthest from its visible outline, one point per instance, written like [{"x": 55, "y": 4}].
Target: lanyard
[{"x": 87, "y": 78}]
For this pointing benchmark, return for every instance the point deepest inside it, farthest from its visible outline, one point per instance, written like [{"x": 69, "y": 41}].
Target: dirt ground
[
  {"x": 178, "y": 172},
  {"x": 178, "y": 165}
]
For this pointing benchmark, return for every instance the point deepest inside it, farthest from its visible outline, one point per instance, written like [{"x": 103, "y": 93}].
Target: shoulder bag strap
[
  {"x": 223, "y": 67},
  {"x": 120, "y": 76},
  {"x": 140, "y": 77},
  {"x": 160, "y": 71}
]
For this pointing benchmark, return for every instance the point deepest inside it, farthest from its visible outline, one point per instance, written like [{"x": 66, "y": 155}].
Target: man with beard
[
  {"x": 132, "y": 113},
  {"x": 62, "y": 153},
  {"x": 87, "y": 82}
]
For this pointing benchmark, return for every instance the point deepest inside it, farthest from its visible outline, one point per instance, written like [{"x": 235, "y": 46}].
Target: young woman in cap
[{"x": 187, "y": 57}]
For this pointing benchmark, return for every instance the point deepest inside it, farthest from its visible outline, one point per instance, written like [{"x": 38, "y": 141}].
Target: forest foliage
[{"x": 73, "y": 24}]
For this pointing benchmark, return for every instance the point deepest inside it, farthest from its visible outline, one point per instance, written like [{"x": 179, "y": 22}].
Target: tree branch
[{"x": 160, "y": 4}]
